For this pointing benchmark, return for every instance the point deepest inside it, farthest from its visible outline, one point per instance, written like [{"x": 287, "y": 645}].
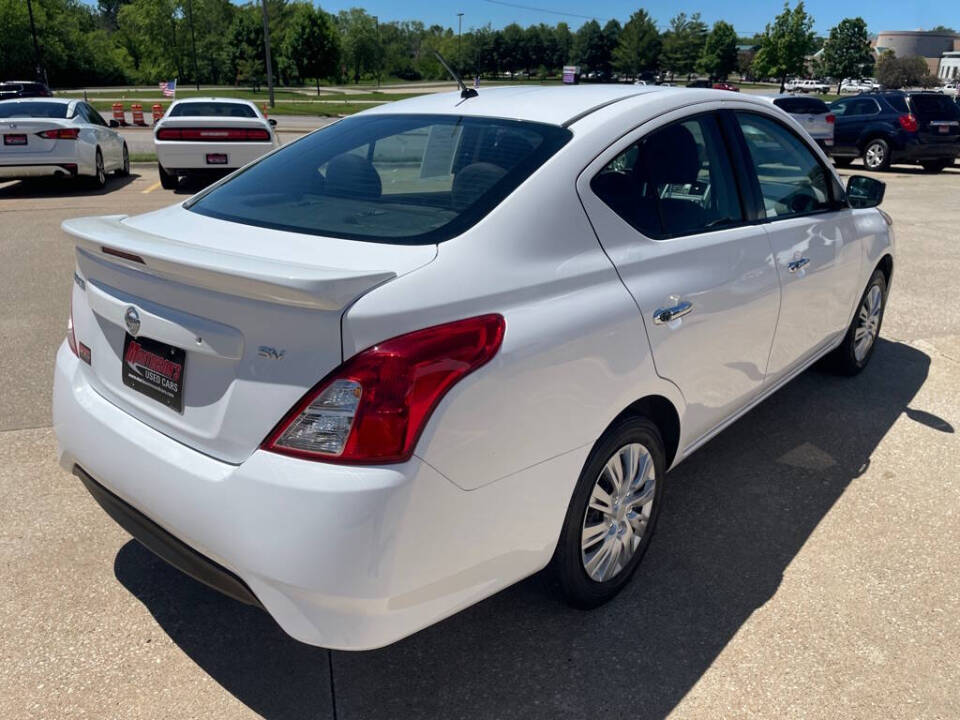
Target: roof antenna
[{"x": 465, "y": 92}]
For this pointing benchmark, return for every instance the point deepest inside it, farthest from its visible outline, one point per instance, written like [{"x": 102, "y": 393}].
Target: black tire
[
  {"x": 843, "y": 162},
  {"x": 876, "y": 154},
  {"x": 844, "y": 360},
  {"x": 936, "y": 166},
  {"x": 124, "y": 169},
  {"x": 168, "y": 181},
  {"x": 568, "y": 564},
  {"x": 99, "y": 179}
]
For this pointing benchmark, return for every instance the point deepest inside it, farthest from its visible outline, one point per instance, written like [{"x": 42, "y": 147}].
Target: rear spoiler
[{"x": 108, "y": 239}]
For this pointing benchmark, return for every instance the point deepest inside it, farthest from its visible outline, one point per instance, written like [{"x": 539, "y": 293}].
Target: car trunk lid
[
  {"x": 210, "y": 334},
  {"x": 938, "y": 119},
  {"x": 21, "y": 135}
]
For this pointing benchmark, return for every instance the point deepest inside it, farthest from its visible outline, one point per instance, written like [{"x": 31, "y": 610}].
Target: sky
[{"x": 747, "y": 16}]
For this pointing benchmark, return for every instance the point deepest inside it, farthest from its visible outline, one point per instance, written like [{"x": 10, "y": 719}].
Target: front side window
[
  {"x": 401, "y": 179},
  {"x": 675, "y": 181},
  {"x": 792, "y": 180}
]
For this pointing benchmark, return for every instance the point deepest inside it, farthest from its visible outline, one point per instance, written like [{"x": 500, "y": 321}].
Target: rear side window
[
  {"x": 898, "y": 103},
  {"x": 675, "y": 181},
  {"x": 792, "y": 180},
  {"x": 403, "y": 179},
  {"x": 802, "y": 106},
  {"x": 934, "y": 107},
  {"x": 212, "y": 109},
  {"x": 35, "y": 109}
]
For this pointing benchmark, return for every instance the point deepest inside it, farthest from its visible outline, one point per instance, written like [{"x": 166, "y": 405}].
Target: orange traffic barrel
[
  {"x": 137, "y": 110},
  {"x": 157, "y": 112},
  {"x": 265, "y": 110},
  {"x": 118, "y": 113}
]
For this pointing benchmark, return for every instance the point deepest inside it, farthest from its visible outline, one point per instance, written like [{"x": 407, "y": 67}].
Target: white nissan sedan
[
  {"x": 210, "y": 135},
  {"x": 427, "y": 351},
  {"x": 58, "y": 137}
]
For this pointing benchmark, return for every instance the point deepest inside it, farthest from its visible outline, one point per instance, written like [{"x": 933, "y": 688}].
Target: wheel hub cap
[
  {"x": 868, "y": 323},
  {"x": 618, "y": 513}
]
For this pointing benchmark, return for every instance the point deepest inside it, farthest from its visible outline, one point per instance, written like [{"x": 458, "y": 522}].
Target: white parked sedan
[
  {"x": 425, "y": 352},
  {"x": 58, "y": 137},
  {"x": 813, "y": 114},
  {"x": 204, "y": 135}
]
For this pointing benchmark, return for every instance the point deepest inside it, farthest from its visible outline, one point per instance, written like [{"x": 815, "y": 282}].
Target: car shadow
[
  {"x": 735, "y": 515},
  {"x": 64, "y": 187}
]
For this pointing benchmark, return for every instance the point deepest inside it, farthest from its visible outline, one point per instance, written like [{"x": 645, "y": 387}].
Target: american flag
[{"x": 169, "y": 89}]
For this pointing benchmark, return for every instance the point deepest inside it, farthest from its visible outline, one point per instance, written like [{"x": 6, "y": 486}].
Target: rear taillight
[
  {"x": 831, "y": 118},
  {"x": 213, "y": 134},
  {"x": 908, "y": 123},
  {"x": 61, "y": 134},
  {"x": 71, "y": 336},
  {"x": 373, "y": 408}
]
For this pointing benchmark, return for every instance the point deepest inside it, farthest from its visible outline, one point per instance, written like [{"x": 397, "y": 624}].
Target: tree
[
  {"x": 719, "y": 57},
  {"x": 611, "y": 38},
  {"x": 894, "y": 72},
  {"x": 639, "y": 45},
  {"x": 361, "y": 47},
  {"x": 312, "y": 43},
  {"x": 847, "y": 50},
  {"x": 683, "y": 43},
  {"x": 246, "y": 43},
  {"x": 590, "y": 47},
  {"x": 564, "y": 45},
  {"x": 785, "y": 45}
]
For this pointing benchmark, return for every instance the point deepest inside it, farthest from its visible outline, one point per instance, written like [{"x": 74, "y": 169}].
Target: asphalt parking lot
[{"x": 805, "y": 564}]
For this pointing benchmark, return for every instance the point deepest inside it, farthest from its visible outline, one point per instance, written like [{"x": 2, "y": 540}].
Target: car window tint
[
  {"x": 928, "y": 106},
  {"x": 802, "y": 105},
  {"x": 792, "y": 180},
  {"x": 212, "y": 109},
  {"x": 387, "y": 178},
  {"x": 898, "y": 103},
  {"x": 839, "y": 107},
  {"x": 675, "y": 181},
  {"x": 36, "y": 109},
  {"x": 94, "y": 116}
]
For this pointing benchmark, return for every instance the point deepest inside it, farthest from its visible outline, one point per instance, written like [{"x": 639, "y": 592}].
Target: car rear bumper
[
  {"x": 187, "y": 157},
  {"x": 18, "y": 172},
  {"x": 341, "y": 556},
  {"x": 915, "y": 151}
]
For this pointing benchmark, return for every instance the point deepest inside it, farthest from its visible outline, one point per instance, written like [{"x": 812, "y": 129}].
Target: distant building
[
  {"x": 950, "y": 66},
  {"x": 934, "y": 47}
]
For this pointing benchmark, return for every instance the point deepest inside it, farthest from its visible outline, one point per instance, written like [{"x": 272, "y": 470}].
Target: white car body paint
[{"x": 356, "y": 557}]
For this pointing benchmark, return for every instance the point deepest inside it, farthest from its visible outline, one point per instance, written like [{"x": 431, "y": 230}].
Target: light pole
[
  {"x": 376, "y": 19},
  {"x": 41, "y": 71},
  {"x": 266, "y": 47},
  {"x": 459, "y": 29},
  {"x": 193, "y": 42}
]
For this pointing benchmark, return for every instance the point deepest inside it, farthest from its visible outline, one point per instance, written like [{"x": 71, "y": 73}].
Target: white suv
[{"x": 418, "y": 355}]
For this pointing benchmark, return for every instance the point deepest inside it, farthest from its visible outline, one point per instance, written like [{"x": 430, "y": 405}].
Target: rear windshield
[
  {"x": 402, "y": 179},
  {"x": 802, "y": 106},
  {"x": 38, "y": 109},
  {"x": 212, "y": 109},
  {"x": 935, "y": 107}
]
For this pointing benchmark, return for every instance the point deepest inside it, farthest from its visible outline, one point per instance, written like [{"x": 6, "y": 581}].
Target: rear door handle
[
  {"x": 795, "y": 265},
  {"x": 665, "y": 315}
]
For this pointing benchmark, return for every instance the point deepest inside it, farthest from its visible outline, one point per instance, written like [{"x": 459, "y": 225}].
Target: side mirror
[
  {"x": 272, "y": 121},
  {"x": 114, "y": 123},
  {"x": 864, "y": 192}
]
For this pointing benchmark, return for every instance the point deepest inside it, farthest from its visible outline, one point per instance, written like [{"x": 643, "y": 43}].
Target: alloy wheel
[
  {"x": 101, "y": 173},
  {"x": 874, "y": 156},
  {"x": 869, "y": 323},
  {"x": 619, "y": 511}
]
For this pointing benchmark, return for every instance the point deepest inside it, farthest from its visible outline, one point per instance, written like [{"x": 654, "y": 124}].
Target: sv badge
[{"x": 270, "y": 353}]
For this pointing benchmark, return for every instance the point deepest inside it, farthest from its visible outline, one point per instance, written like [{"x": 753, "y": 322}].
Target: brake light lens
[
  {"x": 908, "y": 123},
  {"x": 831, "y": 118},
  {"x": 213, "y": 134},
  {"x": 373, "y": 408},
  {"x": 60, "y": 134}
]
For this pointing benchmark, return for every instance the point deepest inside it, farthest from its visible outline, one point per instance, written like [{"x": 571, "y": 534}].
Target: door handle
[
  {"x": 665, "y": 315},
  {"x": 795, "y": 265}
]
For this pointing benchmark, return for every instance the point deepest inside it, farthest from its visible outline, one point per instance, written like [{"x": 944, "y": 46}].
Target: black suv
[
  {"x": 22, "y": 89},
  {"x": 892, "y": 126}
]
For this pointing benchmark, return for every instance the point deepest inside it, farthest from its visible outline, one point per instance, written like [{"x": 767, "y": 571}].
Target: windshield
[
  {"x": 414, "y": 179},
  {"x": 37, "y": 109},
  {"x": 212, "y": 109}
]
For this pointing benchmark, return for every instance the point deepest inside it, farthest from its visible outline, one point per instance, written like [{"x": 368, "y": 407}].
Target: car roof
[
  {"x": 554, "y": 104},
  {"x": 62, "y": 101},
  {"x": 237, "y": 101}
]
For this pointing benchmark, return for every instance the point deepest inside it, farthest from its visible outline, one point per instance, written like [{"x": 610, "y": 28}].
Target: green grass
[{"x": 143, "y": 157}]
